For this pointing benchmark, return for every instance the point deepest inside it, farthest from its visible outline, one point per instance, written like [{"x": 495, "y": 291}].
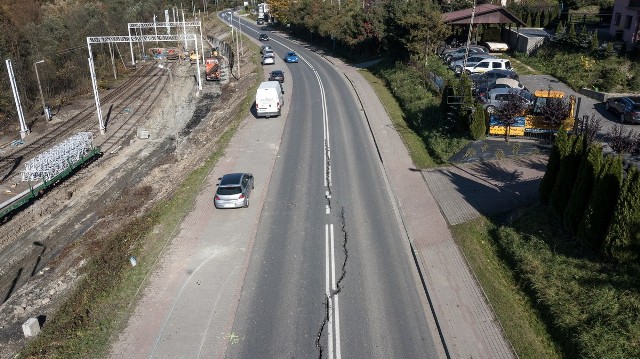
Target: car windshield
[{"x": 227, "y": 191}]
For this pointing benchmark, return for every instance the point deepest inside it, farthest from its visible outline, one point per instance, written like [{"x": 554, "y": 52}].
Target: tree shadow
[{"x": 16, "y": 163}]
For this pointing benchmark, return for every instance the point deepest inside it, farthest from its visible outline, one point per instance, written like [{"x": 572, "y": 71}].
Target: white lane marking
[
  {"x": 334, "y": 298},
  {"x": 328, "y": 289}
]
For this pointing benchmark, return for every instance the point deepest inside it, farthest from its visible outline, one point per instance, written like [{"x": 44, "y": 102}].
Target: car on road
[
  {"x": 263, "y": 37},
  {"x": 497, "y": 97},
  {"x": 268, "y": 58},
  {"x": 277, "y": 75},
  {"x": 233, "y": 190},
  {"x": 260, "y": 21},
  {"x": 627, "y": 107},
  {"x": 291, "y": 57}
]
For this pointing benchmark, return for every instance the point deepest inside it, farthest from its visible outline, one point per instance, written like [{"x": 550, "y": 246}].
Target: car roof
[
  {"x": 503, "y": 90},
  {"x": 508, "y": 81},
  {"x": 291, "y": 53},
  {"x": 277, "y": 72},
  {"x": 231, "y": 179}
]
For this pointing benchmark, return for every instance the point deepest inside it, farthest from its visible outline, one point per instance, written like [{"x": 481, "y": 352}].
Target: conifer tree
[
  {"x": 566, "y": 176},
  {"x": 589, "y": 167},
  {"x": 559, "y": 150},
  {"x": 623, "y": 238},
  {"x": 602, "y": 202}
]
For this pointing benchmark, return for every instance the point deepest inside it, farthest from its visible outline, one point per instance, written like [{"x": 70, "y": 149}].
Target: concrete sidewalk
[{"x": 465, "y": 320}]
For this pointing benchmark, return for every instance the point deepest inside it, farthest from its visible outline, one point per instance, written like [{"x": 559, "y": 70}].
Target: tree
[
  {"x": 478, "y": 126},
  {"x": 587, "y": 174},
  {"x": 601, "y": 205},
  {"x": 555, "y": 110},
  {"x": 621, "y": 141},
  {"x": 566, "y": 177},
  {"x": 623, "y": 237},
  {"x": 508, "y": 111},
  {"x": 411, "y": 26},
  {"x": 559, "y": 150},
  {"x": 279, "y": 10}
]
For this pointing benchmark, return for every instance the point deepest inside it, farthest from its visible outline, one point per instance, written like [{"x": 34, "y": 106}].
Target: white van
[{"x": 269, "y": 99}]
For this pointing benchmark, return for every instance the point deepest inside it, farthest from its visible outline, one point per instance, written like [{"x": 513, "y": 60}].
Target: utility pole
[
  {"x": 44, "y": 106},
  {"x": 24, "y": 130}
]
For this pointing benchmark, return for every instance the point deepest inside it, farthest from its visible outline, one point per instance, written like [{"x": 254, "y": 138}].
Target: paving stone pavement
[{"x": 465, "y": 320}]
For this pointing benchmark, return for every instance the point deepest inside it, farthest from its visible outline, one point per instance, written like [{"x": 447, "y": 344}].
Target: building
[{"x": 625, "y": 22}]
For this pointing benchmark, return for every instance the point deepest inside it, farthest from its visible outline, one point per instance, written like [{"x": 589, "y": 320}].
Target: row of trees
[{"x": 597, "y": 201}]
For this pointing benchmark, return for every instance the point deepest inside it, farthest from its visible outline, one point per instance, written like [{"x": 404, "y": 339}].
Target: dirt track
[{"x": 43, "y": 247}]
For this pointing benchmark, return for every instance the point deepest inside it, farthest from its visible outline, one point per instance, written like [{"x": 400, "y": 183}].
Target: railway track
[{"x": 142, "y": 88}]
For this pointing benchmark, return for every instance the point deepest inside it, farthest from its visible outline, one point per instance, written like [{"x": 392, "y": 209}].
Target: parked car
[
  {"x": 260, "y": 21},
  {"x": 268, "y": 59},
  {"x": 291, "y": 57},
  {"x": 502, "y": 83},
  {"x": 234, "y": 190},
  {"x": 627, "y": 107},
  {"x": 491, "y": 76},
  {"x": 496, "y": 97},
  {"x": 489, "y": 64},
  {"x": 263, "y": 37},
  {"x": 459, "y": 53},
  {"x": 277, "y": 75},
  {"x": 265, "y": 48},
  {"x": 456, "y": 66},
  {"x": 449, "y": 50},
  {"x": 268, "y": 52},
  {"x": 496, "y": 46}
]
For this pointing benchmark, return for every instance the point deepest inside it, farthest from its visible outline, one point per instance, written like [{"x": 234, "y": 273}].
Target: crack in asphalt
[{"x": 338, "y": 289}]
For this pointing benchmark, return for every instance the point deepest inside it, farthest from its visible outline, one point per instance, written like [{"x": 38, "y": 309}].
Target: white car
[
  {"x": 487, "y": 65},
  {"x": 268, "y": 60}
]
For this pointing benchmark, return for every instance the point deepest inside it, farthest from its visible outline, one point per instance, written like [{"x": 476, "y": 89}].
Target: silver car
[{"x": 233, "y": 190}]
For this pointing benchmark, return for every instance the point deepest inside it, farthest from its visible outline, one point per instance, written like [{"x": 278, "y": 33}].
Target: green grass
[
  {"x": 414, "y": 143},
  {"x": 552, "y": 299},
  {"x": 414, "y": 108},
  {"x": 520, "y": 321},
  {"x": 519, "y": 67},
  {"x": 104, "y": 299}
]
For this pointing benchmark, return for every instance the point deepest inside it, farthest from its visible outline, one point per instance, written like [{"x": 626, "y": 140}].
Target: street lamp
[
  {"x": 173, "y": 104},
  {"x": 47, "y": 115}
]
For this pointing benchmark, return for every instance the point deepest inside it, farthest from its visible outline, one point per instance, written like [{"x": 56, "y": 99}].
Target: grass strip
[
  {"x": 415, "y": 144},
  {"x": 520, "y": 321},
  {"x": 102, "y": 301}
]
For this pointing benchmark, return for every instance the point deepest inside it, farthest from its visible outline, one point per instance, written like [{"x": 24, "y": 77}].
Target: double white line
[
  {"x": 333, "y": 329},
  {"x": 332, "y": 299}
]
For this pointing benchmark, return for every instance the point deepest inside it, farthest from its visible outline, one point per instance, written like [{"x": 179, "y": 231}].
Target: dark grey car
[{"x": 233, "y": 190}]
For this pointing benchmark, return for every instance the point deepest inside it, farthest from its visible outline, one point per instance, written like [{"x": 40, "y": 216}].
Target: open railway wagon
[{"x": 50, "y": 168}]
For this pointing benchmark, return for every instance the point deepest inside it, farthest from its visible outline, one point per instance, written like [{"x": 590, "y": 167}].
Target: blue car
[{"x": 291, "y": 57}]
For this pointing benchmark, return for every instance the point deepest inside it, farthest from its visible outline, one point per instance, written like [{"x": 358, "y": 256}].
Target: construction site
[{"x": 68, "y": 182}]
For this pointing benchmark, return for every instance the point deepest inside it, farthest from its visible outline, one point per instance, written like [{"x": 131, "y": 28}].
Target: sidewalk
[{"x": 466, "y": 322}]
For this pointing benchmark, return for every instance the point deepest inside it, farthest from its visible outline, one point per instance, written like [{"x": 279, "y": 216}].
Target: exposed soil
[{"x": 44, "y": 246}]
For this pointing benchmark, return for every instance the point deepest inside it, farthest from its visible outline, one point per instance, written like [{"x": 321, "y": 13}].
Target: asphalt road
[{"x": 329, "y": 274}]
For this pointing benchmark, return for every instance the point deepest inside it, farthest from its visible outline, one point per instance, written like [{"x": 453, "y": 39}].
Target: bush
[
  {"x": 589, "y": 167},
  {"x": 566, "y": 177},
  {"x": 612, "y": 76},
  {"x": 558, "y": 151},
  {"x": 478, "y": 128},
  {"x": 623, "y": 238},
  {"x": 602, "y": 202}
]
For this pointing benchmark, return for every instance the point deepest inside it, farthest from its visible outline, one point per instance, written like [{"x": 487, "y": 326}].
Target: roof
[{"x": 485, "y": 14}]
